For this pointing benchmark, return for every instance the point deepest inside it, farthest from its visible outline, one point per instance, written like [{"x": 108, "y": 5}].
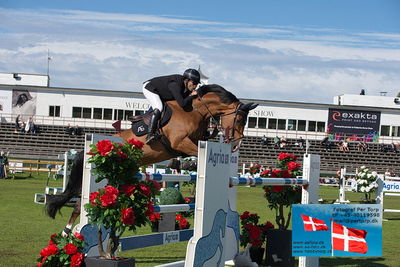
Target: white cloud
[{"x": 120, "y": 51}]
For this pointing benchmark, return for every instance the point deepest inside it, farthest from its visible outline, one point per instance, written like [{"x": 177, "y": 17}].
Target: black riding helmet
[{"x": 193, "y": 75}]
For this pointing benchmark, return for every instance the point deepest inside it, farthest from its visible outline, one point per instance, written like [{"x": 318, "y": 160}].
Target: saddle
[{"x": 140, "y": 124}]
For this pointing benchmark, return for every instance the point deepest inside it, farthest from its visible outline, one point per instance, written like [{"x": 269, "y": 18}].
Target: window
[
  {"x": 396, "y": 131},
  {"x": 301, "y": 125},
  {"x": 128, "y": 113},
  {"x": 54, "y": 111},
  {"x": 252, "y": 122},
  {"x": 139, "y": 112},
  {"x": 385, "y": 130},
  {"x": 87, "y": 113},
  {"x": 321, "y": 126},
  {"x": 312, "y": 126},
  {"x": 262, "y": 123},
  {"x": 119, "y": 114},
  {"x": 107, "y": 114},
  {"x": 291, "y": 125},
  {"x": 281, "y": 124},
  {"x": 76, "y": 112},
  {"x": 272, "y": 124},
  {"x": 97, "y": 113}
]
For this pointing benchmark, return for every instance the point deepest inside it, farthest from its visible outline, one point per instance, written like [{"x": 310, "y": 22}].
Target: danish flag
[
  {"x": 312, "y": 224},
  {"x": 349, "y": 239}
]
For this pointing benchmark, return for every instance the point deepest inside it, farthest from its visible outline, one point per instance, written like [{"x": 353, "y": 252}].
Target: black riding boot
[{"x": 152, "y": 135}]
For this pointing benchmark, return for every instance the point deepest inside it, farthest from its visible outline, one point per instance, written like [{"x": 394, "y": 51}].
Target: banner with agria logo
[{"x": 357, "y": 124}]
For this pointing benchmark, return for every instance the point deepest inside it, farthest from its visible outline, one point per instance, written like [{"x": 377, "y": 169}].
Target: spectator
[
  {"x": 22, "y": 127},
  {"x": 69, "y": 130},
  {"x": 301, "y": 142},
  {"x": 326, "y": 144},
  {"x": 18, "y": 123},
  {"x": 282, "y": 142},
  {"x": 362, "y": 146},
  {"x": 277, "y": 142},
  {"x": 346, "y": 145},
  {"x": 264, "y": 140},
  {"x": 3, "y": 165},
  {"x": 77, "y": 130}
]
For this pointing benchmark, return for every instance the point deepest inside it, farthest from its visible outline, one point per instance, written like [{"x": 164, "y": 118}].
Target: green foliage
[{"x": 171, "y": 196}]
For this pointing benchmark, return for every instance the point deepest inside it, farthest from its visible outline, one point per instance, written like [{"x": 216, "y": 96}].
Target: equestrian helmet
[{"x": 193, "y": 75}]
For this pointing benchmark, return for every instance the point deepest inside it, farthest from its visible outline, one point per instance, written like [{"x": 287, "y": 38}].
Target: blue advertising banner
[{"x": 337, "y": 230}]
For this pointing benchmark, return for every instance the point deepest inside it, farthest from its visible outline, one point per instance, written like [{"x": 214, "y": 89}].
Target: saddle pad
[{"x": 141, "y": 127}]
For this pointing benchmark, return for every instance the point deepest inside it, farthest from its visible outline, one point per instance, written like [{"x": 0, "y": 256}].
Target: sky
[{"x": 292, "y": 50}]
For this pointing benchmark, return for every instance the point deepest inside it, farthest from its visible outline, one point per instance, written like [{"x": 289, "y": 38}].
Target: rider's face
[{"x": 190, "y": 85}]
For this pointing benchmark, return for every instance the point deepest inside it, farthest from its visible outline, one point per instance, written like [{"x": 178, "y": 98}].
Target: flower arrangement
[
  {"x": 254, "y": 168},
  {"x": 181, "y": 223},
  {"x": 279, "y": 197},
  {"x": 125, "y": 203},
  {"x": 63, "y": 251},
  {"x": 366, "y": 182},
  {"x": 252, "y": 232}
]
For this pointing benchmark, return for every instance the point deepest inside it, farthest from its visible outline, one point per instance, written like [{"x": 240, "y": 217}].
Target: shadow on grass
[
  {"x": 370, "y": 262},
  {"x": 158, "y": 260}
]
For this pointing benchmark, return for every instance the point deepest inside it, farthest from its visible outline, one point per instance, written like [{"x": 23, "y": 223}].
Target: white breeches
[{"x": 153, "y": 98}]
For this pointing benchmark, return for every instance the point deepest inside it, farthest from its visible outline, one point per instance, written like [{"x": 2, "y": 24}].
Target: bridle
[{"x": 228, "y": 132}]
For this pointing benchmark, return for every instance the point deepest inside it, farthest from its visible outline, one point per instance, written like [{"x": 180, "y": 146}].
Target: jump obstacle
[{"x": 215, "y": 237}]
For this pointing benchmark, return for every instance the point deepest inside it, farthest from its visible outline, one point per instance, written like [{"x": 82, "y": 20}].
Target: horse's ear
[
  {"x": 249, "y": 106},
  {"x": 253, "y": 106}
]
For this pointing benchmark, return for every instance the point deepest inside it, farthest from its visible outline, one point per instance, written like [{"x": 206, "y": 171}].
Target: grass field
[{"x": 25, "y": 229}]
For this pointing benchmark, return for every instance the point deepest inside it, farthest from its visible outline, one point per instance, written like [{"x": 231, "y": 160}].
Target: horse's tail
[{"x": 55, "y": 202}]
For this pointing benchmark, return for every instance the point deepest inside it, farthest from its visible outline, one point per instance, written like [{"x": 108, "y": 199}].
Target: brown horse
[{"x": 183, "y": 131}]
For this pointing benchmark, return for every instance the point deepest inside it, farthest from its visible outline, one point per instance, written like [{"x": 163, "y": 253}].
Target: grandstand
[{"x": 94, "y": 111}]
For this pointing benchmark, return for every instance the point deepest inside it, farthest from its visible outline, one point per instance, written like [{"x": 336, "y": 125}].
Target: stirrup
[{"x": 151, "y": 137}]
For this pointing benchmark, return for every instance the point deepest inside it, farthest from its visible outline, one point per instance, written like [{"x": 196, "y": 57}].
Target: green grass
[{"x": 25, "y": 229}]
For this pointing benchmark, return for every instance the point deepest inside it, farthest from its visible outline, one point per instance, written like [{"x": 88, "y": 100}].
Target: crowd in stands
[
  {"x": 70, "y": 130},
  {"x": 25, "y": 127}
]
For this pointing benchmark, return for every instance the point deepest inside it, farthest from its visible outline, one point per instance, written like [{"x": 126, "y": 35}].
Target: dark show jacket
[{"x": 169, "y": 88}]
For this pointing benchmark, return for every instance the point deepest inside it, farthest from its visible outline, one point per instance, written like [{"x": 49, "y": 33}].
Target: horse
[{"x": 181, "y": 135}]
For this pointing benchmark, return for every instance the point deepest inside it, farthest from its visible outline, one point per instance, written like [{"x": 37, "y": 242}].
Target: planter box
[
  {"x": 97, "y": 262},
  {"x": 167, "y": 223},
  {"x": 279, "y": 248}
]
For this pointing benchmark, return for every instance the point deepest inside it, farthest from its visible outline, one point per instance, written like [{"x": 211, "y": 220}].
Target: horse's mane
[{"x": 225, "y": 96}]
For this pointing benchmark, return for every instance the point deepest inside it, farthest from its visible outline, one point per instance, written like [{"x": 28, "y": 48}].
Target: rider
[{"x": 165, "y": 88}]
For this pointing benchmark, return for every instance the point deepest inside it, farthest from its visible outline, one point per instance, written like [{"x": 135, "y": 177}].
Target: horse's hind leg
[{"x": 75, "y": 213}]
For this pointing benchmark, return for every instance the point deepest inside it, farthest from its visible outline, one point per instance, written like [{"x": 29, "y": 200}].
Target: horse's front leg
[
  {"x": 186, "y": 146},
  {"x": 75, "y": 213}
]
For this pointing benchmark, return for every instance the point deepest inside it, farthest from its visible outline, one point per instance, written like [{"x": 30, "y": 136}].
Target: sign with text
[
  {"x": 346, "y": 122},
  {"x": 337, "y": 230}
]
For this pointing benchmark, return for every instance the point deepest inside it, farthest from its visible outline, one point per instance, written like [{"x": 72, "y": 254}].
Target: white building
[{"x": 30, "y": 95}]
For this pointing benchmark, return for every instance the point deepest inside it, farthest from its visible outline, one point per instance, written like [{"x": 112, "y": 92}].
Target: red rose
[
  {"x": 276, "y": 173},
  {"x": 293, "y": 166},
  {"x": 127, "y": 216},
  {"x": 70, "y": 249},
  {"x": 79, "y": 236},
  {"x": 51, "y": 242},
  {"x": 150, "y": 208},
  {"x": 122, "y": 155},
  {"x": 282, "y": 156},
  {"x": 286, "y": 174},
  {"x": 77, "y": 260},
  {"x": 269, "y": 225},
  {"x": 137, "y": 143},
  {"x": 104, "y": 147},
  {"x": 187, "y": 200},
  {"x": 39, "y": 264},
  {"x": 184, "y": 224},
  {"x": 245, "y": 215},
  {"x": 49, "y": 250},
  {"x": 128, "y": 189},
  {"x": 178, "y": 217},
  {"x": 158, "y": 216},
  {"x": 248, "y": 226},
  {"x": 156, "y": 185},
  {"x": 110, "y": 196},
  {"x": 265, "y": 173},
  {"x": 152, "y": 217},
  {"x": 145, "y": 190},
  {"x": 277, "y": 188},
  {"x": 255, "y": 232},
  {"x": 92, "y": 198},
  {"x": 256, "y": 243}
]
